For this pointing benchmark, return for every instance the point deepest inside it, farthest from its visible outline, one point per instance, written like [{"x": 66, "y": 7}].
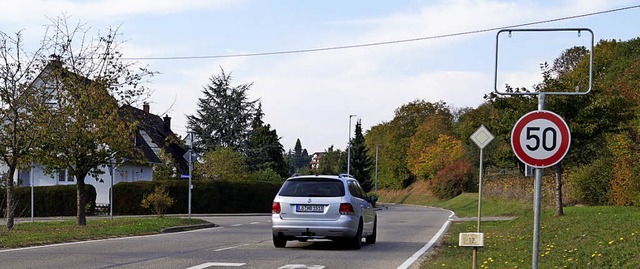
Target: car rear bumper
[{"x": 345, "y": 226}]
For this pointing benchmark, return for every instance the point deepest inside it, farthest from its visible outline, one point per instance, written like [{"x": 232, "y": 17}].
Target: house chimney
[
  {"x": 56, "y": 61},
  {"x": 167, "y": 123},
  {"x": 145, "y": 107}
]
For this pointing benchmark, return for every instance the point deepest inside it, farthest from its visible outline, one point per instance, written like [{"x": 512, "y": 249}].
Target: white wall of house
[{"x": 102, "y": 183}]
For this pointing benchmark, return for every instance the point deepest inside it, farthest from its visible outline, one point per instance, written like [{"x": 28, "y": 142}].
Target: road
[{"x": 243, "y": 242}]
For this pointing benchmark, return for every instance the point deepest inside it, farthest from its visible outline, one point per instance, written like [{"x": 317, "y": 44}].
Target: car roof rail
[
  {"x": 295, "y": 175},
  {"x": 345, "y": 175}
]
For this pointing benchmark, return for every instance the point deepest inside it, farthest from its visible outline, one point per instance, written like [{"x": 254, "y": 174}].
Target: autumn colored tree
[
  {"x": 395, "y": 137},
  {"x": 445, "y": 151},
  {"x": 424, "y": 141},
  {"x": 89, "y": 81},
  {"x": 23, "y": 109}
]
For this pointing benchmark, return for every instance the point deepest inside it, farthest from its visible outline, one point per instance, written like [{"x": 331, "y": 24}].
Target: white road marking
[
  {"x": 103, "y": 240},
  {"x": 228, "y": 248},
  {"x": 256, "y": 222},
  {"x": 429, "y": 244},
  {"x": 236, "y": 225},
  {"x": 301, "y": 266},
  {"x": 209, "y": 264}
]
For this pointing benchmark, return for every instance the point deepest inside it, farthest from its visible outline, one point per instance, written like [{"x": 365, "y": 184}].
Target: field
[{"x": 586, "y": 237}]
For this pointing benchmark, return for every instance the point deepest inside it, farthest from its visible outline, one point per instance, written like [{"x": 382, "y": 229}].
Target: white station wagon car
[{"x": 323, "y": 207}]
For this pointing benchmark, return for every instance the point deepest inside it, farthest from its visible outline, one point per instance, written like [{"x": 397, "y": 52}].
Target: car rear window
[{"x": 312, "y": 188}]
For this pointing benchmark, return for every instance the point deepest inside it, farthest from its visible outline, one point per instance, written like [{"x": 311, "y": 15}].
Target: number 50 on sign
[{"x": 540, "y": 138}]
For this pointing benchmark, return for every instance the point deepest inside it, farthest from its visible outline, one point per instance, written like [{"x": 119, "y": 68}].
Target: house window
[{"x": 64, "y": 176}]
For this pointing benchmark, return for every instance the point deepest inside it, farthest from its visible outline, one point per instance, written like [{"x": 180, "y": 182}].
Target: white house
[{"x": 153, "y": 134}]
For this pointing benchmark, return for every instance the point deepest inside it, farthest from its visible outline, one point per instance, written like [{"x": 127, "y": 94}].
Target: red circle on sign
[{"x": 557, "y": 121}]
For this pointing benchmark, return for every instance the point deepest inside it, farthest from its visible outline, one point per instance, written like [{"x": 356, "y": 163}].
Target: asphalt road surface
[{"x": 404, "y": 233}]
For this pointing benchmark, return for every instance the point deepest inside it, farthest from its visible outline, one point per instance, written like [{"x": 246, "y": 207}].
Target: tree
[
  {"x": 424, "y": 141},
  {"x": 263, "y": 148},
  {"x": 167, "y": 169},
  {"x": 22, "y": 108},
  {"x": 221, "y": 164},
  {"x": 361, "y": 161},
  {"x": 224, "y": 115},
  {"x": 299, "y": 158},
  {"x": 333, "y": 161},
  {"x": 396, "y": 136},
  {"x": 89, "y": 80}
]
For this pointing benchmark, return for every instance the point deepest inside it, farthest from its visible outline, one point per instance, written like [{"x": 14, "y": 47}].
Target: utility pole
[{"x": 349, "y": 147}]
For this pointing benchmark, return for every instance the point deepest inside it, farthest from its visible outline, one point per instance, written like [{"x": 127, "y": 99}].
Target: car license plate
[{"x": 310, "y": 208}]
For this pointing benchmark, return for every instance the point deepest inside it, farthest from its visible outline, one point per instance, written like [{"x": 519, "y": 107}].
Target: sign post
[
  {"x": 541, "y": 138},
  {"x": 482, "y": 137}
]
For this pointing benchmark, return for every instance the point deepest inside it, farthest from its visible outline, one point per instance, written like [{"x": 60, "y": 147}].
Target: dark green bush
[
  {"x": 207, "y": 196},
  {"x": 591, "y": 182},
  {"x": 49, "y": 201}
]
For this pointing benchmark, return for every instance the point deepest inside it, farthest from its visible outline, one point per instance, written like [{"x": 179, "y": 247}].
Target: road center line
[
  {"x": 228, "y": 248},
  {"x": 210, "y": 264}
]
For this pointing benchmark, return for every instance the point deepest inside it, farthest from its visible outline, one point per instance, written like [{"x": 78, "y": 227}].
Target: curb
[{"x": 188, "y": 228}]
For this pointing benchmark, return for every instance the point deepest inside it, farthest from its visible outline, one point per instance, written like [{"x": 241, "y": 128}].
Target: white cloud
[{"x": 29, "y": 10}]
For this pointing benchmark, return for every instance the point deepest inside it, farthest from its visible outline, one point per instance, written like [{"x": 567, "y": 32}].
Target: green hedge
[
  {"x": 207, "y": 196},
  {"x": 48, "y": 201}
]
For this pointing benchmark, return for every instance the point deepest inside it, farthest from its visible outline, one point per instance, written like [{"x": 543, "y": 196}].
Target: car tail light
[
  {"x": 346, "y": 209},
  {"x": 275, "y": 208}
]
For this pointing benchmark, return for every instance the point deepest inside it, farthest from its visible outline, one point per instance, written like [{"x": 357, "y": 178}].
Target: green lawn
[
  {"x": 586, "y": 237},
  {"x": 50, "y": 232}
]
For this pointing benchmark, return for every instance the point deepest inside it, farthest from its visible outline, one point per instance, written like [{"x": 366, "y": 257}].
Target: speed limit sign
[{"x": 540, "y": 138}]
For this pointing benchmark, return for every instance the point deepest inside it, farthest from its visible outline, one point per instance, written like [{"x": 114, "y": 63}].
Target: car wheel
[
  {"x": 371, "y": 239},
  {"x": 279, "y": 241},
  {"x": 356, "y": 241}
]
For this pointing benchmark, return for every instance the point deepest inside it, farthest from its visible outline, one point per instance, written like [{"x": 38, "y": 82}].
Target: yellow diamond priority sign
[{"x": 482, "y": 137}]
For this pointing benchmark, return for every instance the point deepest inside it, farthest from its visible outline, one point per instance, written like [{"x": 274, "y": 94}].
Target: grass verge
[
  {"x": 51, "y": 232},
  {"x": 586, "y": 237}
]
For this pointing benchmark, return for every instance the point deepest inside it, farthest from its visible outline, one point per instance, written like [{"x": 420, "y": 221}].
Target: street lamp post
[
  {"x": 112, "y": 170},
  {"x": 31, "y": 177},
  {"x": 376, "y": 183},
  {"x": 349, "y": 147},
  {"x": 190, "y": 168}
]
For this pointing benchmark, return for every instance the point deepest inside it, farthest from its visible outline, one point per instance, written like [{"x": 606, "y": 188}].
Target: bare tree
[{"x": 22, "y": 108}]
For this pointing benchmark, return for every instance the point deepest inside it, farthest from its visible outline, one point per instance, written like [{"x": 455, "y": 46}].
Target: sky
[{"x": 309, "y": 95}]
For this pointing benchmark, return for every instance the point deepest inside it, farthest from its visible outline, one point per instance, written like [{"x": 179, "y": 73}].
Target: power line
[{"x": 383, "y": 42}]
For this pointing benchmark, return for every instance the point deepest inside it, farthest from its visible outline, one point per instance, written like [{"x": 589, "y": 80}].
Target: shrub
[
  {"x": 159, "y": 201},
  {"x": 265, "y": 175},
  {"x": 591, "y": 182},
  {"x": 59, "y": 200},
  {"x": 451, "y": 180},
  {"x": 207, "y": 196}
]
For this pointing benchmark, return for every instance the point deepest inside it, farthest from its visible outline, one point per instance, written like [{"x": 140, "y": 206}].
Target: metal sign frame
[
  {"x": 578, "y": 30},
  {"x": 537, "y": 199}
]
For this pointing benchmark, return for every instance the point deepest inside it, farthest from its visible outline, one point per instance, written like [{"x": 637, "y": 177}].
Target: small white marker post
[{"x": 482, "y": 137}]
